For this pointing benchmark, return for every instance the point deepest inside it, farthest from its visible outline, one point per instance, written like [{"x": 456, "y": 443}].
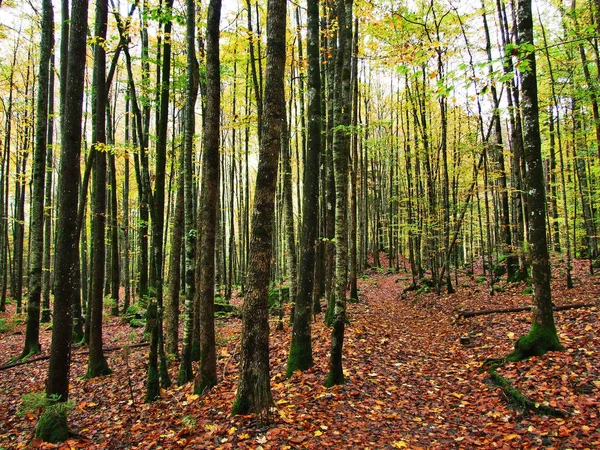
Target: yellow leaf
[
  {"x": 458, "y": 395},
  {"x": 243, "y": 436},
  {"x": 318, "y": 433},
  {"x": 597, "y": 383},
  {"x": 400, "y": 444},
  {"x": 510, "y": 437},
  {"x": 210, "y": 427},
  {"x": 191, "y": 398},
  {"x": 231, "y": 431},
  {"x": 510, "y": 335},
  {"x": 588, "y": 328},
  {"x": 417, "y": 419}
]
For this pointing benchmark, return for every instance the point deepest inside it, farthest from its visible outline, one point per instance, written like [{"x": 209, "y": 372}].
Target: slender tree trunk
[
  {"x": 114, "y": 237},
  {"x": 300, "y": 357},
  {"x": 353, "y": 170},
  {"x": 207, "y": 374},
  {"x": 254, "y": 390},
  {"x": 36, "y": 230},
  {"x": 341, "y": 149},
  {"x": 172, "y": 331},
  {"x": 191, "y": 92},
  {"x": 65, "y": 290},
  {"x": 542, "y": 336},
  {"x": 97, "y": 364},
  {"x": 47, "y": 264}
]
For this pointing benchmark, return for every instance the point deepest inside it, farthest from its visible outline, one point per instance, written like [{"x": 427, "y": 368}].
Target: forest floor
[{"x": 410, "y": 383}]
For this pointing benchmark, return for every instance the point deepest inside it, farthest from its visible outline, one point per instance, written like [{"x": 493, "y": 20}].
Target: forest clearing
[{"x": 410, "y": 382}]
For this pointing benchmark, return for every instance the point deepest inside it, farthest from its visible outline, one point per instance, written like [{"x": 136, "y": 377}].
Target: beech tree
[
  {"x": 65, "y": 287},
  {"x": 254, "y": 389},
  {"x": 207, "y": 375},
  {"x": 36, "y": 257},
  {"x": 300, "y": 357},
  {"x": 341, "y": 153},
  {"x": 97, "y": 364},
  {"x": 542, "y": 336}
]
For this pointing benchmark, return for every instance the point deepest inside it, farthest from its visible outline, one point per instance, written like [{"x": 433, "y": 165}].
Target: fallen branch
[
  {"x": 466, "y": 314},
  {"x": 44, "y": 358}
]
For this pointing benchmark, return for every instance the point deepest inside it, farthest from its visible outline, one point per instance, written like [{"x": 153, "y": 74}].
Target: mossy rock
[{"x": 52, "y": 425}]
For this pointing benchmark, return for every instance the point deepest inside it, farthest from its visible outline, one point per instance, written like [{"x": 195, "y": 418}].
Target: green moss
[
  {"x": 241, "y": 405},
  {"x": 333, "y": 379},
  {"x": 185, "y": 375},
  {"x": 330, "y": 311},
  {"x": 152, "y": 385},
  {"x": 97, "y": 369},
  {"x": 52, "y": 425},
  {"x": 527, "y": 291},
  {"x": 537, "y": 342},
  {"x": 300, "y": 357},
  {"x": 518, "y": 400}
]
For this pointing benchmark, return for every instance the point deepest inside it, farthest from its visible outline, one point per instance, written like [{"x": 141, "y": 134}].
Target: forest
[{"x": 280, "y": 224}]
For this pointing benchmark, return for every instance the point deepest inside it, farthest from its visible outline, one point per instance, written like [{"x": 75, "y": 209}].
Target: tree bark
[
  {"x": 254, "y": 390},
  {"x": 36, "y": 229},
  {"x": 542, "y": 336},
  {"x": 341, "y": 150},
  {"x": 65, "y": 287},
  {"x": 207, "y": 374},
  {"x": 97, "y": 364},
  {"x": 300, "y": 357},
  {"x": 191, "y": 92}
]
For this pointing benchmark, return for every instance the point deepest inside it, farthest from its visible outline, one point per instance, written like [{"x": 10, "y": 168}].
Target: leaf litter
[{"x": 410, "y": 383}]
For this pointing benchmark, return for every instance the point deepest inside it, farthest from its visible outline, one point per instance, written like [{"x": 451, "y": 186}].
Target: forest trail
[{"x": 409, "y": 382}]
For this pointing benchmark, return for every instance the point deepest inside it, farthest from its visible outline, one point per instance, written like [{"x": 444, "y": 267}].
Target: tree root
[{"x": 514, "y": 396}]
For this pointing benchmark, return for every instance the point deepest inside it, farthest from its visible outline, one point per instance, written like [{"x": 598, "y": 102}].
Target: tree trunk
[
  {"x": 207, "y": 374},
  {"x": 65, "y": 289},
  {"x": 542, "y": 336},
  {"x": 191, "y": 93},
  {"x": 48, "y": 204},
  {"x": 97, "y": 364},
  {"x": 254, "y": 390},
  {"x": 36, "y": 230},
  {"x": 172, "y": 331},
  {"x": 300, "y": 357},
  {"x": 341, "y": 149}
]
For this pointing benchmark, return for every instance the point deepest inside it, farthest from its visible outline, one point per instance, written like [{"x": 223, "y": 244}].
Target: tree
[
  {"x": 254, "y": 390},
  {"x": 65, "y": 288},
  {"x": 191, "y": 93},
  {"x": 542, "y": 336},
  {"x": 341, "y": 153},
  {"x": 207, "y": 375},
  {"x": 97, "y": 365},
  {"x": 36, "y": 228},
  {"x": 300, "y": 357},
  {"x": 157, "y": 202}
]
